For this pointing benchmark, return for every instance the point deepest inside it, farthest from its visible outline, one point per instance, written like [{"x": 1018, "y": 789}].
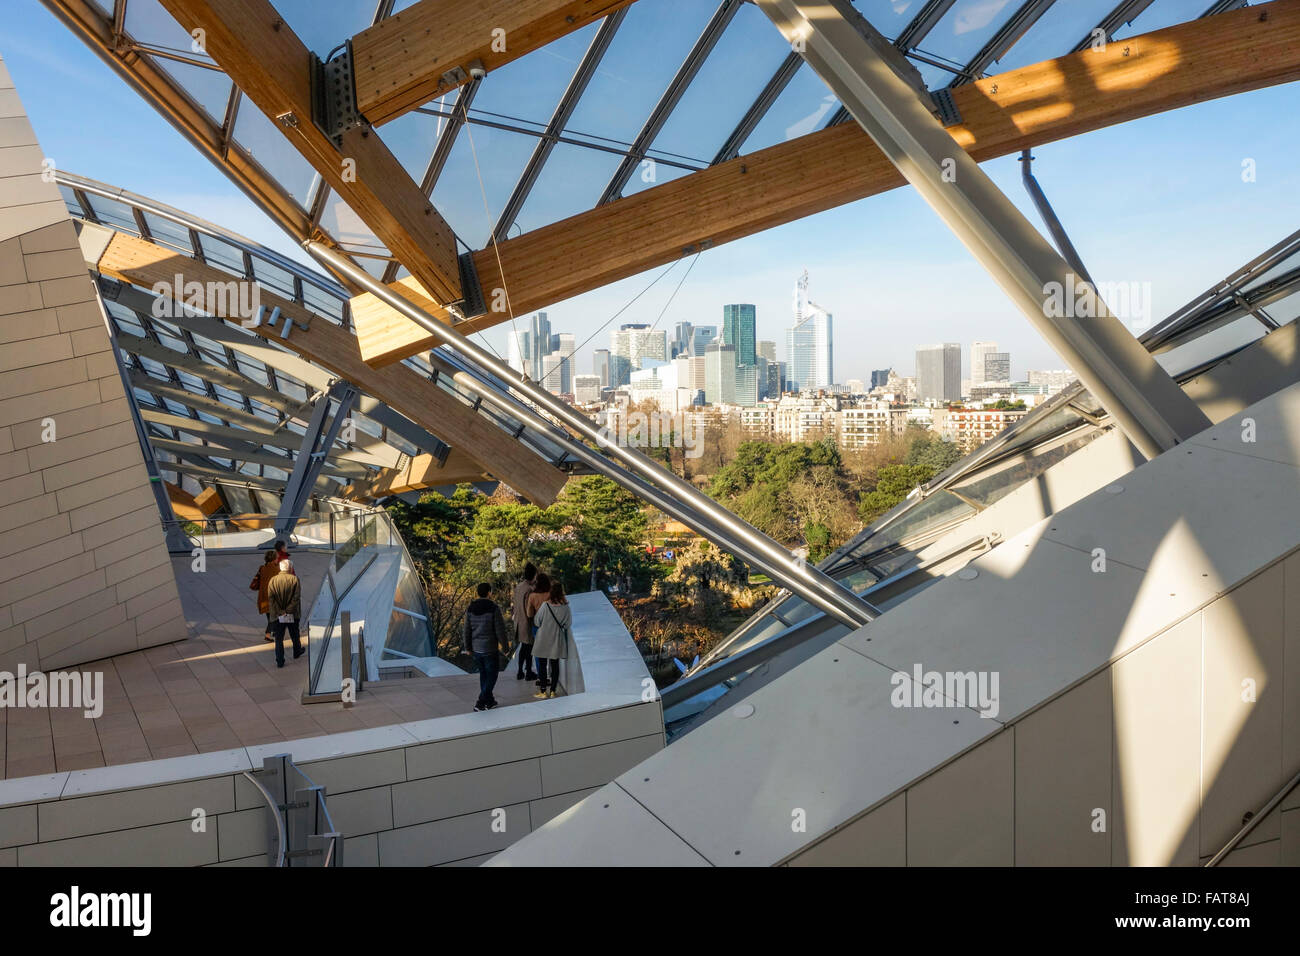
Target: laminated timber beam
[
  {"x": 256, "y": 48},
  {"x": 1218, "y": 56},
  {"x": 422, "y": 471},
  {"x": 403, "y": 389},
  {"x": 426, "y": 50}
]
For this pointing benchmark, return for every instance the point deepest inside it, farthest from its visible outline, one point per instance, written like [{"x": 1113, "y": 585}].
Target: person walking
[
  {"x": 552, "y": 642},
  {"x": 536, "y": 598},
  {"x": 485, "y": 634},
  {"x": 269, "y": 569},
  {"x": 522, "y": 624},
  {"x": 284, "y": 596}
]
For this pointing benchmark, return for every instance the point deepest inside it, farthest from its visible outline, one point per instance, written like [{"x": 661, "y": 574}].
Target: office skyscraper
[
  {"x": 701, "y": 336},
  {"x": 997, "y": 367},
  {"x": 637, "y": 341},
  {"x": 600, "y": 366},
  {"x": 539, "y": 342},
  {"x": 978, "y": 353},
  {"x": 809, "y": 343},
  {"x": 739, "y": 326},
  {"x": 681, "y": 343},
  {"x": 767, "y": 350},
  {"x": 938, "y": 372},
  {"x": 880, "y": 377},
  {"x": 620, "y": 371},
  {"x": 518, "y": 356},
  {"x": 720, "y": 374}
]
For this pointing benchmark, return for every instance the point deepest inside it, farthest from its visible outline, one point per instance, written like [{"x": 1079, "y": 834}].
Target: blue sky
[{"x": 1159, "y": 200}]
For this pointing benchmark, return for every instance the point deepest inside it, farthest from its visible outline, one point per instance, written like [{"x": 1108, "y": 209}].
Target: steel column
[
  {"x": 316, "y": 444},
  {"x": 1153, "y": 411}
]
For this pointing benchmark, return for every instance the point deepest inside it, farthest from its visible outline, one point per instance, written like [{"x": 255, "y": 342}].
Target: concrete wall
[
  {"x": 1161, "y": 742},
  {"x": 399, "y": 800},
  {"x": 416, "y": 794},
  {"x": 84, "y": 572}
]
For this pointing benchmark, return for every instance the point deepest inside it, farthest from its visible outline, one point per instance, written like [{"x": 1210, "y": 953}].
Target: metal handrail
[
  {"x": 1253, "y": 822},
  {"x": 281, "y": 837}
]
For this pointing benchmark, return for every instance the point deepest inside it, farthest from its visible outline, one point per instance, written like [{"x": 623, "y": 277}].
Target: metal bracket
[
  {"x": 472, "y": 302},
  {"x": 944, "y": 107},
  {"x": 333, "y": 96}
]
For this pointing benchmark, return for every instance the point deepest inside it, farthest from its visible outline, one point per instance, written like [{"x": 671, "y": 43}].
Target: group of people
[
  {"x": 540, "y": 616},
  {"x": 279, "y": 597}
]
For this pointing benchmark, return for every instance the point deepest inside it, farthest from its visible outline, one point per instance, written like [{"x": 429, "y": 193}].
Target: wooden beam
[
  {"x": 423, "y": 471},
  {"x": 404, "y": 61},
  {"x": 333, "y": 347},
  {"x": 1168, "y": 69},
  {"x": 386, "y": 336},
  {"x": 252, "y": 43}
]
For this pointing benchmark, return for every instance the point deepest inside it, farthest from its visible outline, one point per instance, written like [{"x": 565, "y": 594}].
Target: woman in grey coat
[{"x": 552, "y": 642}]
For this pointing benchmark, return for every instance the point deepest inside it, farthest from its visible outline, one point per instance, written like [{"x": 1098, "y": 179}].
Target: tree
[{"x": 894, "y": 483}]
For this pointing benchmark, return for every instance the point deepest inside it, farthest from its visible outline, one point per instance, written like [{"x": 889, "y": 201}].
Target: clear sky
[{"x": 1160, "y": 201}]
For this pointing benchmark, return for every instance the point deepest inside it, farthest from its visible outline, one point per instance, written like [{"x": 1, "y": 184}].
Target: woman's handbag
[{"x": 564, "y": 633}]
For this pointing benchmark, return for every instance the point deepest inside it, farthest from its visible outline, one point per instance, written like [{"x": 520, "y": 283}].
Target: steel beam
[
  {"x": 634, "y": 471},
  {"x": 319, "y": 439},
  {"x": 1149, "y": 406}
]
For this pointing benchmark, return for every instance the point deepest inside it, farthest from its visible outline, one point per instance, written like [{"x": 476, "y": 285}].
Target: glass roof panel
[
  {"x": 1161, "y": 14},
  {"x": 803, "y": 107},
  {"x": 570, "y": 182},
  {"x": 209, "y": 88},
  {"x": 890, "y": 16},
  {"x": 268, "y": 146},
  {"x": 646, "y": 52},
  {"x": 740, "y": 65},
  {"x": 1055, "y": 33},
  {"x": 147, "y": 22},
  {"x": 529, "y": 88},
  {"x": 963, "y": 30},
  {"x": 219, "y": 252},
  {"x": 273, "y": 277},
  {"x": 501, "y": 158},
  {"x": 353, "y": 234},
  {"x": 322, "y": 26},
  {"x": 413, "y": 136},
  {"x": 169, "y": 233},
  {"x": 113, "y": 213},
  {"x": 649, "y": 174}
]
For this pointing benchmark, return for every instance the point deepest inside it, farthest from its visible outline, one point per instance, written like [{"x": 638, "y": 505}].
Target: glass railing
[
  {"x": 325, "y": 529},
  {"x": 372, "y": 580}
]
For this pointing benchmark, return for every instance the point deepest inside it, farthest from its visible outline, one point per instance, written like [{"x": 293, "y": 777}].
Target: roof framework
[
  {"x": 297, "y": 176},
  {"x": 249, "y": 398}
]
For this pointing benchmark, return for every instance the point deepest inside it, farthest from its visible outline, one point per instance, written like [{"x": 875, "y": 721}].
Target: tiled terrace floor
[{"x": 218, "y": 689}]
